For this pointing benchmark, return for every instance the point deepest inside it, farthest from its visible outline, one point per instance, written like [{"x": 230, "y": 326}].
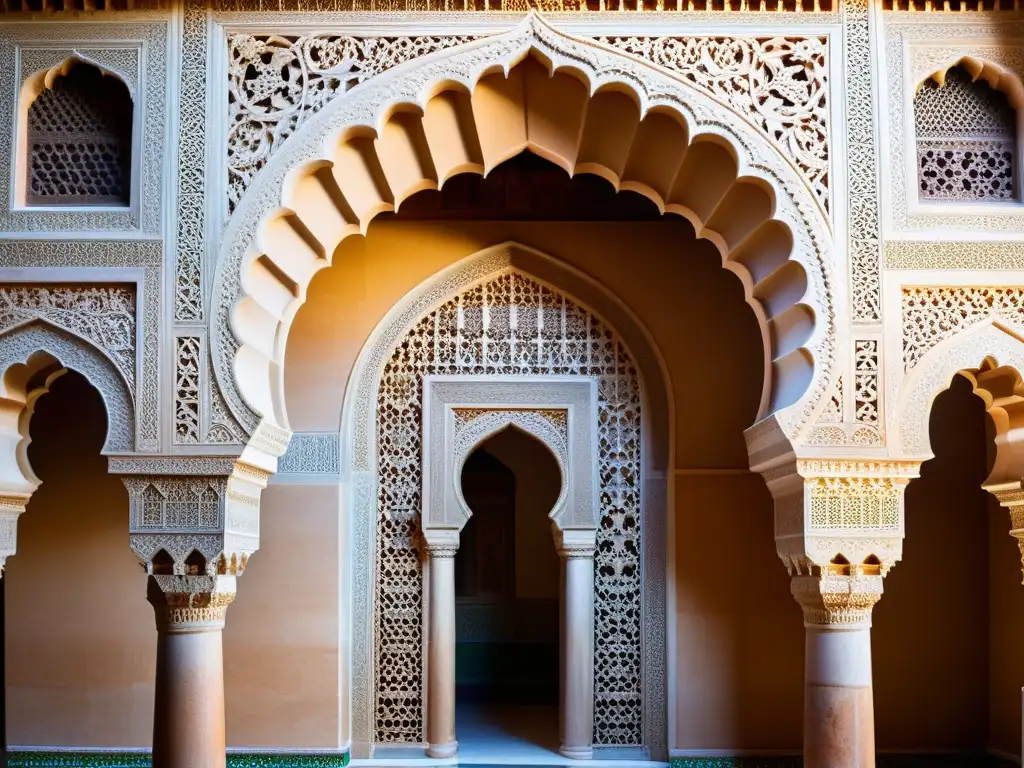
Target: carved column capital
[
  {"x": 12, "y": 505},
  {"x": 838, "y": 602},
  {"x": 190, "y": 603},
  {"x": 1011, "y": 496},
  {"x": 441, "y": 542},
  {"x": 576, "y": 544}
]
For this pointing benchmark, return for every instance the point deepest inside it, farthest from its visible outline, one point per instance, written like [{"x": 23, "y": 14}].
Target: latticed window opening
[
  {"x": 966, "y": 140},
  {"x": 80, "y": 141}
]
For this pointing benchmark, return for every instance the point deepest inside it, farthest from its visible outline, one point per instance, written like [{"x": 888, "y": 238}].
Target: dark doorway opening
[{"x": 507, "y": 587}]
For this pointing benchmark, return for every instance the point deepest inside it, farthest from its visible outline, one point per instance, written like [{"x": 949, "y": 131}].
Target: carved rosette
[
  {"x": 843, "y": 516},
  {"x": 837, "y": 601},
  {"x": 190, "y": 603}
]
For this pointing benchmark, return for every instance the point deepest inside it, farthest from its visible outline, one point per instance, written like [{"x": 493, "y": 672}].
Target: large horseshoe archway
[{"x": 575, "y": 102}]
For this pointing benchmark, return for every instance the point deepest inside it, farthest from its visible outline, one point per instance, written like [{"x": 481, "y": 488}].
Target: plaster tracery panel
[
  {"x": 124, "y": 62},
  {"x": 854, "y": 502},
  {"x": 510, "y": 324},
  {"x": 902, "y": 254},
  {"x": 191, "y": 224},
  {"x": 866, "y": 375},
  {"x": 779, "y": 83},
  {"x": 275, "y": 83},
  {"x": 188, "y": 367},
  {"x": 143, "y": 255},
  {"x": 862, "y": 206},
  {"x": 105, "y": 315},
  {"x": 931, "y": 314}
]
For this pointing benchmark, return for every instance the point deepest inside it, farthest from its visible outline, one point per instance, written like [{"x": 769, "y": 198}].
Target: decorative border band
[{"x": 97, "y": 759}]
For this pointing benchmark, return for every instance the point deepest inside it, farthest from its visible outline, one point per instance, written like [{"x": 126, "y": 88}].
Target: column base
[
  {"x": 443, "y": 751},
  {"x": 577, "y": 753}
]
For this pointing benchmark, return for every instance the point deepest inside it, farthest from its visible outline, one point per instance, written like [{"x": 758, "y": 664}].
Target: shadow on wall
[
  {"x": 945, "y": 676},
  {"x": 80, "y": 637}
]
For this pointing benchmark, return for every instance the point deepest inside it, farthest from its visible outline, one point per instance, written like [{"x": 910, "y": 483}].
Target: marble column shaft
[
  {"x": 188, "y": 722},
  {"x": 839, "y": 729},
  {"x": 441, "y": 741}
]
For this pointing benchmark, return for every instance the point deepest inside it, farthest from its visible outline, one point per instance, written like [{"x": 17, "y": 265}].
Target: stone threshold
[{"x": 31, "y": 758}]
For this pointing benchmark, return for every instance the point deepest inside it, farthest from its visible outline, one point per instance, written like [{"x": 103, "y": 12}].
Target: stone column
[
  {"x": 441, "y": 741},
  {"x": 576, "y": 718},
  {"x": 188, "y": 722},
  {"x": 839, "y": 729}
]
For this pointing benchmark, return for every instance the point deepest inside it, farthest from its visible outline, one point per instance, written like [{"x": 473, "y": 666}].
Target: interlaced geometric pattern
[
  {"x": 966, "y": 134},
  {"x": 509, "y": 325},
  {"x": 79, "y": 141},
  {"x": 931, "y": 314},
  {"x": 854, "y": 502}
]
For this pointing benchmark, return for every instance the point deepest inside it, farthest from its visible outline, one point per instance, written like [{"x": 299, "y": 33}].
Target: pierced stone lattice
[
  {"x": 508, "y": 325},
  {"x": 866, "y": 371},
  {"x": 855, "y": 502},
  {"x": 966, "y": 134},
  {"x": 779, "y": 83},
  {"x": 79, "y": 141},
  {"x": 931, "y": 314},
  {"x": 276, "y": 83},
  {"x": 187, "y": 370}
]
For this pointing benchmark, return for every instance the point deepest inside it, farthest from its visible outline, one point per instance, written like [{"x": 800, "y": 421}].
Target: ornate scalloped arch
[
  {"x": 990, "y": 355},
  {"x": 488, "y": 424},
  {"x": 590, "y": 109},
  {"x": 38, "y": 347},
  {"x": 998, "y": 76}
]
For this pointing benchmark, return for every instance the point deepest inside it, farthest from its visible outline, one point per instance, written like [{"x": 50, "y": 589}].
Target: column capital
[
  {"x": 1011, "y": 496},
  {"x": 187, "y": 604},
  {"x": 441, "y": 542},
  {"x": 837, "y": 602},
  {"x": 12, "y": 505},
  {"x": 573, "y": 543}
]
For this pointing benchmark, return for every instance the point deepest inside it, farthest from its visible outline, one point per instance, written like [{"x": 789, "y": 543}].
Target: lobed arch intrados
[
  {"x": 997, "y": 76},
  {"x": 315, "y": 192},
  {"x": 544, "y": 439},
  {"x": 34, "y": 355}
]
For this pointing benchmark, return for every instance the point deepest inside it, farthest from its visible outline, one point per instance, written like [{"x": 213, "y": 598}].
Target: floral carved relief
[
  {"x": 105, "y": 315},
  {"x": 779, "y": 83},
  {"x": 275, "y": 83}
]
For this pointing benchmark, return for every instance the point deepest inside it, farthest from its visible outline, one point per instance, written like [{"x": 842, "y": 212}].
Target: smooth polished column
[
  {"x": 839, "y": 725},
  {"x": 577, "y": 706},
  {"x": 441, "y": 652},
  {"x": 188, "y": 722}
]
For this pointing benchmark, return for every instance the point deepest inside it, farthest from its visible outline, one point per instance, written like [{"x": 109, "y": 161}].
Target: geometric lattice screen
[
  {"x": 509, "y": 325},
  {"x": 966, "y": 136},
  {"x": 80, "y": 141}
]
